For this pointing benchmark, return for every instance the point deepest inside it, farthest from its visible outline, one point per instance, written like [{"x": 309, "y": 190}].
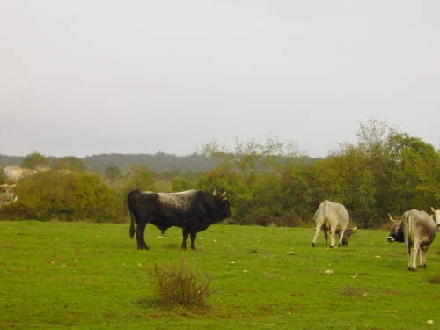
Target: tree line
[{"x": 268, "y": 183}]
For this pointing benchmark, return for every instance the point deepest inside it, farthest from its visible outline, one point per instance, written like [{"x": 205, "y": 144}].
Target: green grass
[{"x": 90, "y": 276}]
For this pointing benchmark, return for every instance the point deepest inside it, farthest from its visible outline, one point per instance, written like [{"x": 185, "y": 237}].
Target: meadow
[{"x": 90, "y": 276}]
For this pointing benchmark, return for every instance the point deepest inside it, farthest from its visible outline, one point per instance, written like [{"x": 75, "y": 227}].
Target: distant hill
[
  {"x": 160, "y": 162},
  {"x": 10, "y": 160}
]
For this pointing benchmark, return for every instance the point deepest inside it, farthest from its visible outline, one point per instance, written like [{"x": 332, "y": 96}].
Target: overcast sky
[{"x": 86, "y": 77}]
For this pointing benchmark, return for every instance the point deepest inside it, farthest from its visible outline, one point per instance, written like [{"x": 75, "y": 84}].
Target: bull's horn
[
  {"x": 391, "y": 218},
  {"x": 433, "y": 209},
  {"x": 214, "y": 192}
]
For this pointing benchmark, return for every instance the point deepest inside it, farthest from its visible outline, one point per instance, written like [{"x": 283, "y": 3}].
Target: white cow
[
  {"x": 333, "y": 216},
  {"x": 15, "y": 172},
  {"x": 417, "y": 229}
]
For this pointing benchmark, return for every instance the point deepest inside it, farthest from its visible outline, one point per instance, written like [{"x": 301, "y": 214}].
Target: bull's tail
[{"x": 131, "y": 231}]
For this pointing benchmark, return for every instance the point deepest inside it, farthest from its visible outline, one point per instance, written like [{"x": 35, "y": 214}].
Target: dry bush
[{"x": 181, "y": 285}]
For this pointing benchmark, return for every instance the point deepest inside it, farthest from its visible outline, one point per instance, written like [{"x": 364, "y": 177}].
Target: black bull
[{"x": 192, "y": 210}]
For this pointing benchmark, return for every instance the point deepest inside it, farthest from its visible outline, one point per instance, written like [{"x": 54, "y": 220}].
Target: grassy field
[{"x": 90, "y": 276}]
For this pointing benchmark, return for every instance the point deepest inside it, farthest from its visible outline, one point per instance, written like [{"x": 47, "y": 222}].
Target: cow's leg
[
  {"x": 332, "y": 236},
  {"x": 423, "y": 251},
  {"x": 408, "y": 252},
  {"x": 141, "y": 245},
  {"x": 318, "y": 228},
  {"x": 193, "y": 235},
  {"x": 341, "y": 236},
  {"x": 412, "y": 255},
  {"x": 185, "y": 238}
]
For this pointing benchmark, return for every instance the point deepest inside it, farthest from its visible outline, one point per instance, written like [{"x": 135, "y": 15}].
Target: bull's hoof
[
  {"x": 143, "y": 247},
  {"x": 313, "y": 244},
  {"x": 193, "y": 248},
  {"x": 411, "y": 269},
  {"x": 332, "y": 246},
  {"x": 423, "y": 266}
]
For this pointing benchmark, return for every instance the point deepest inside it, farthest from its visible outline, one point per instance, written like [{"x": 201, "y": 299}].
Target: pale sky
[{"x": 85, "y": 77}]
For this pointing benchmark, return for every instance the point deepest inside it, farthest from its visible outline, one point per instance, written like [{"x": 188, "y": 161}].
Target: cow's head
[
  {"x": 396, "y": 234},
  {"x": 347, "y": 233},
  {"x": 7, "y": 195},
  {"x": 436, "y": 216}
]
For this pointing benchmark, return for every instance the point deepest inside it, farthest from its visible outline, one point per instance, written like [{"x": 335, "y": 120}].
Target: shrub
[
  {"x": 435, "y": 279},
  {"x": 66, "y": 197},
  {"x": 181, "y": 286}
]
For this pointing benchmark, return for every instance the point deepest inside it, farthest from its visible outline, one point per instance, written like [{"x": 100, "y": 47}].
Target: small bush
[
  {"x": 353, "y": 291},
  {"x": 435, "y": 279},
  {"x": 180, "y": 285}
]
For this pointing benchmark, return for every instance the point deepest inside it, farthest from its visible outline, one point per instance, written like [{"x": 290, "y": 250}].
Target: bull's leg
[
  {"x": 193, "y": 238},
  {"x": 141, "y": 245},
  {"x": 185, "y": 238},
  {"x": 318, "y": 228}
]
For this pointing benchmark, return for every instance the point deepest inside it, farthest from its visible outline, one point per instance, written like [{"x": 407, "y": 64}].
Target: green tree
[
  {"x": 248, "y": 175},
  {"x": 113, "y": 172},
  {"x": 181, "y": 184},
  {"x": 70, "y": 163},
  {"x": 415, "y": 172},
  {"x": 139, "y": 176},
  {"x": 34, "y": 159}
]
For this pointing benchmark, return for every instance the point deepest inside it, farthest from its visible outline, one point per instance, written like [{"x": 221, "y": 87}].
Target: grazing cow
[
  {"x": 7, "y": 195},
  {"x": 192, "y": 210},
  {"x": 437, "y": 216},
  {"x": 347, "y": 233},
  {"x": 417, "y": 229},
  {"x": 333, "y": 217}
]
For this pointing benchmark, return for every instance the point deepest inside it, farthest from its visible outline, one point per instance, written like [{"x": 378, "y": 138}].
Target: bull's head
[
  {"x": 223, "y": 204},
  {"x": 396, "y": 234},
  {"x": 222, "y": 196}
]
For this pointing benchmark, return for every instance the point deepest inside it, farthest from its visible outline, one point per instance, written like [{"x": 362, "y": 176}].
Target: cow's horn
[{"x": 8, "y": 186}]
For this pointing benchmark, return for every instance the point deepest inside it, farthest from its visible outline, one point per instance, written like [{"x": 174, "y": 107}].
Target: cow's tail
[
  {"x": 131, "y": 230},
  {"x": 325, "y": 211},
  {"x": 409, "y": 229}
]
